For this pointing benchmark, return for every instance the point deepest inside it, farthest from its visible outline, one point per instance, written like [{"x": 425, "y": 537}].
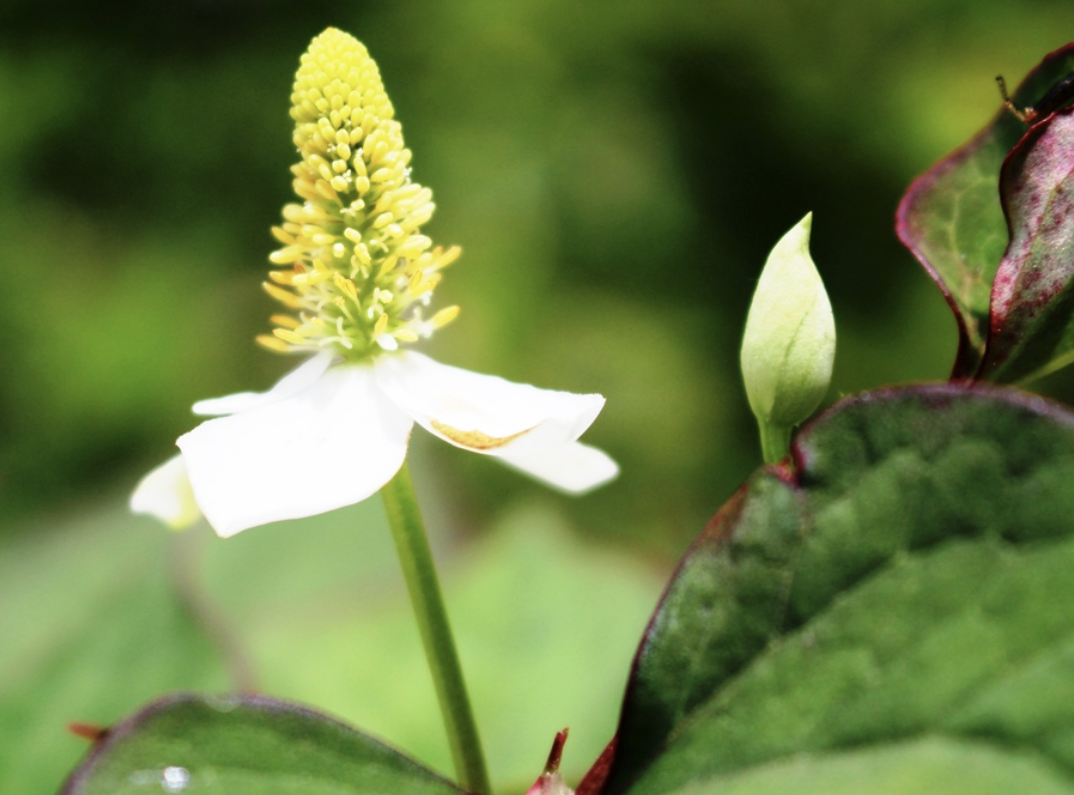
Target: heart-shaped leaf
[
  {"x": 952, "y": 221},
  {"x": 244, "y": 744},
  {"x": 894, "y": 614},
  {"x": 1032, "y": 303}
]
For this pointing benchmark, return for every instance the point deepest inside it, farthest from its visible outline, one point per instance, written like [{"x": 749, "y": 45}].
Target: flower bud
[{"x": 789, "y": 344}]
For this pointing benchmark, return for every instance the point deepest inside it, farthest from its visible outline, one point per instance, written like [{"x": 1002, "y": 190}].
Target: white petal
[
  {"x": 166, "y": 494},
  {"x": 332, "y": 444},
  {"x": 295, "y": 381},
  {"x": 574, "y": 468},
  {"x": 484, "y": 413}
]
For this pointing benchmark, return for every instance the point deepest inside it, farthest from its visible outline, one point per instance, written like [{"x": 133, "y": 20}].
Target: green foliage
[
  {"x": 953, "y": 221},
  {"x": 888, "y": 615},
  {"x": 245, "y": 744},
  {"x": 615, "y": 174},
  {"x": 892, "y": 615},
  {"x": 314, "y": 611},
  {"x": 87, "y": 643}
]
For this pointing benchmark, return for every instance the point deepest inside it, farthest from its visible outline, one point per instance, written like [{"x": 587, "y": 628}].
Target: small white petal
[
  {"x": 484, "y": 413},
  {"x": 334, "y": 443},
  {"x": 574, "y": 468},
  {"x": 295, "y": 381},
  {"x": 166, "y": 494}
]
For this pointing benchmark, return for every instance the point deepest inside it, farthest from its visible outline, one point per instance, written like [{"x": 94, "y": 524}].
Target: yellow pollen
[
  {"x": 289, "y": 300},
  {"x": 381, "y": 326},
  {"x": 289, "y": 336},
  {"x": 282, "y": 236},
  {"x": 445, "y": 316},
  {"x": 283, "y": 277},
  {"x": 346, "y": 286},
  {"x": 474, "y": 439},
  {"x": 273, "y": 343},
  {"x": 285, "y": 321}
]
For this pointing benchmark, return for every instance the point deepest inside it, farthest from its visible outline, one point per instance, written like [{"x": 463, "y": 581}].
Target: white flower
[
  {"x": 355, "y": 276},
  {"x": 332, "y": 433}
]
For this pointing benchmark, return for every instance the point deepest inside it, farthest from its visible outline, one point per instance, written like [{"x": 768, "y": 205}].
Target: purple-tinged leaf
[
  {"x": 952, "y": 221},
  {"x": 244, "y": 744},
  {"x": 1032, "y": 325}
]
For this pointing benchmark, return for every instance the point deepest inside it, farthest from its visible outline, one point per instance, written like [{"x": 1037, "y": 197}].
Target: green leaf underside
[
  {"x": 245, "y": 744},
  {"x": 952, "y": 221},
  {"x": 903, "y": 599},
  {"x": 1032, "y": 303}
]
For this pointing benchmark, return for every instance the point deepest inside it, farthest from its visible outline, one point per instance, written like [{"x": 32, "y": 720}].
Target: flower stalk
[{"x": 419, "y": 571}]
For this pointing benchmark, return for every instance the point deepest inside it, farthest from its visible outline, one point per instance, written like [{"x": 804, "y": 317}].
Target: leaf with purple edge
[
  {"x": 244, "y": 744},
  {"x": 952, "y": 221},
  {"x": 1032, "y": 326},
  {"x": 892, "y": 615}
]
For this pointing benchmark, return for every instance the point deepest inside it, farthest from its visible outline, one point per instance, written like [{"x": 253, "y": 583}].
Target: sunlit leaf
[{"x": 908, "y": 581}]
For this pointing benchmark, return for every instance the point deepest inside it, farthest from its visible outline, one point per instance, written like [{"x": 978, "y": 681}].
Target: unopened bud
[{"x": 789, "y": 344}]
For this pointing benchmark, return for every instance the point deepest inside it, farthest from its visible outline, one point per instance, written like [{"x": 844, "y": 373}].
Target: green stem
[
  {"x": 416, "y": 558},
  {"x": 775, "y": 441}
]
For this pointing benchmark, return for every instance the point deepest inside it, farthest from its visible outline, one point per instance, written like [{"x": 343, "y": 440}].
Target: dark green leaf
[
  {"x": 951, "y": 218},
  {"x": 902, "y": 597},
  {"x": 241, "y": 745},
  {"x": 1032, "y": 302}
]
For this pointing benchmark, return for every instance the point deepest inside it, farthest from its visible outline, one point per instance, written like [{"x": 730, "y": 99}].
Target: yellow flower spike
[{"x": 359, "y": 214}]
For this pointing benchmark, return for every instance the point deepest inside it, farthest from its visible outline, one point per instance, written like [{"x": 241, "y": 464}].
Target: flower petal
[
  {"x": 295, "y": 381},
  {"x": 166, "y": 494},
  {"x": 574, "y": 468},
  {"x": 484, "y": 413},
  {"x": 332, "y": 444}
]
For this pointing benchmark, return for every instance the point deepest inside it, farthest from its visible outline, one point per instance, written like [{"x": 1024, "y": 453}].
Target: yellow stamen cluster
[{"x": 356, "y": 271}]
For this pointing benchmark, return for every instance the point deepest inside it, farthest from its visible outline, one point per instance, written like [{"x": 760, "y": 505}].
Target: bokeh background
[{"x": 615, "y": 171}]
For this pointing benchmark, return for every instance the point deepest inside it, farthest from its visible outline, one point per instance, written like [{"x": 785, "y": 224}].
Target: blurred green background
[{"x": 615, "y": 172}]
